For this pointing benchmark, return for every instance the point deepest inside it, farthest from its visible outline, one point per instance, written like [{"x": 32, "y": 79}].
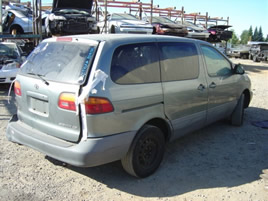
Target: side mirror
[{"x": 238, "y": 69}]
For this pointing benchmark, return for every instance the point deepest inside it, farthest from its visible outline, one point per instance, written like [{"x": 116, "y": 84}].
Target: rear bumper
[{"x": 88, "y": 153}]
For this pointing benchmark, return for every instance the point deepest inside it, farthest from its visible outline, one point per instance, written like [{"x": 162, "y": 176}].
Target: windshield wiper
[{"x": 40, "y": 76}]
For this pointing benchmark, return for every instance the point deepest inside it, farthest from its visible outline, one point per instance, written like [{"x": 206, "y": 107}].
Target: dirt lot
[{"x": 219, "y": 162}]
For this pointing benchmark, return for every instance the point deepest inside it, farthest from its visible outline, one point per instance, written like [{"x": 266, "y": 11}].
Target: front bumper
[
  {"x": 197, "y": 35},
  {"x": 88, "y": 153},
  {"x": 72, "y": 27}
]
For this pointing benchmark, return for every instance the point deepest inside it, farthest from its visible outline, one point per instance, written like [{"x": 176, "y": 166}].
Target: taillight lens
[
  {"x": 67, "y": 101},
  {"x": 17, "y": 88},
  {"x": 96, "y": 105},
  {"x": 93, "y": 105}
]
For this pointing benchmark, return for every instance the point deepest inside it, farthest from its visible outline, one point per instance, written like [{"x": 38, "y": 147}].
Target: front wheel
[
  {"x": 237, "y": 116},
  {"x": 146, "y": 152}
]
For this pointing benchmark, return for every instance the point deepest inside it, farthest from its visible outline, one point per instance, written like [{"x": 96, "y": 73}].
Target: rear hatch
[{"x": 48, "y": 84}]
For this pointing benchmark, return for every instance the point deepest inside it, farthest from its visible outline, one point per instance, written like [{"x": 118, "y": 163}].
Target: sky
[{"x": 242, "y": 13}]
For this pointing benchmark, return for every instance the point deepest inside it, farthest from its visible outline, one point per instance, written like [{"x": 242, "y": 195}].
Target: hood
[
  {"x": 135, "y": 22},
  {"x": 220, "y": 27},
  {"x": 173, "y": 26},
  {"x": 80, "y": 4}
]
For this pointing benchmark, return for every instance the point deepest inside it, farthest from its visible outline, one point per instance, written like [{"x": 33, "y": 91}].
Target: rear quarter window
[
  {"x": 135, "y": 64},
  {"x": 179, "y": 61}
]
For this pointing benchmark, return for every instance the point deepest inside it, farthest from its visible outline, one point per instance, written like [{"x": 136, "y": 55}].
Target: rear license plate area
[{"x": 38, "y": 106}]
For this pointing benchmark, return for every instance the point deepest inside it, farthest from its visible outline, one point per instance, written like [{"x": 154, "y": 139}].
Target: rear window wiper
[{"x": 40, "y": 76}]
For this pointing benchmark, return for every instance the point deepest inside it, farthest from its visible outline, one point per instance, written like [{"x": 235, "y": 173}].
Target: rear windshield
[{"x": 66, "y": 62}]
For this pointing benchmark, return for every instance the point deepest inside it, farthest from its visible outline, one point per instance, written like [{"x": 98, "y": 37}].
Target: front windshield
[
  {"x": 66, "y": 62},
  {"x": 162, "y": 20},
  {"x": 8, "y": 50},
  {"x": 117, "y": 16},
  {"x": 189, "y": 23}
]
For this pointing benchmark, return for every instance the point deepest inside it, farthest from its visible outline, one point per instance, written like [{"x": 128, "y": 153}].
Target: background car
[
  {"x": 195, "y": 31},
  {"x": 241, "y": 51},
  {"x": 17, "y": 21},
  {"x": 165, "y": 26},
  {"x": 70, "y": 17},
  {"x": 219, "y": 33},
  {"x": 11, "y": 58},
  {"x": 258, "y": 51},
  {"x": 124, "y": 23}
]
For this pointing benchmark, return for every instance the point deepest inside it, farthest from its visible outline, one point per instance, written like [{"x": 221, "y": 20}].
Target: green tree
[
  {"x": 255, "y": 35},
  {"x": 245, "y": 37},
  {"x": 260, "y": 35},
  {"x": 266, "y": 40},
  {"x": 234, "y": 40},
  {"x": 250, "y": 32}
]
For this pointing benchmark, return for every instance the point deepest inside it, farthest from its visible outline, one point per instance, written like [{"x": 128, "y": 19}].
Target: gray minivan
[{"x": 93, "y": 99}]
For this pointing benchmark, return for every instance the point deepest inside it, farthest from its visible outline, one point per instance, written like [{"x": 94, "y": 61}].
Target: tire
[
  {"x": 16, "y": 30},
  {"x": 255, "y": 59},
  {"x": 146, "y": 152},
  {"x": 250, "y": 57},
  {"x": 237, "y": 116},
  {"x": 244, "y": 56}
]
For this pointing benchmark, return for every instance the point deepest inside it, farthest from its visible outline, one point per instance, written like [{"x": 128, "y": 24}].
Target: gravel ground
[{"x": 219, "y": 162}]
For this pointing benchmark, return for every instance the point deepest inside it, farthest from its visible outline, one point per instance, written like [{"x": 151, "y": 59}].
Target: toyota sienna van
[{"x": 92, "y": 99}]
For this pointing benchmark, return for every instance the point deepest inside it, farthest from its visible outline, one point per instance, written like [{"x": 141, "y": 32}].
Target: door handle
[
  {"x": 212, "y": 85},
  {"x": 201, "y": 87}
]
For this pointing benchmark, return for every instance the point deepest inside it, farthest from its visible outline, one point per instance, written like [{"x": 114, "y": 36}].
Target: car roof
[{"x": 132, "y": 38}]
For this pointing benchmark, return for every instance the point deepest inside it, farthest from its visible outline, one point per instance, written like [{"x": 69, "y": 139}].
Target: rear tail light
[
  {"x": 213, "y": 32},
  {"x": 17, "y": 88},
  {"x": 96, "y": 105},
  {"x": 67, "y": 101}
]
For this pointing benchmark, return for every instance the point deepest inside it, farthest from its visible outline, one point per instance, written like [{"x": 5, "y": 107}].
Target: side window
[
  {"x": 179, "y": 61},
  {"x": 217, "y": 65},
  {"x": 135, "y": 64}
]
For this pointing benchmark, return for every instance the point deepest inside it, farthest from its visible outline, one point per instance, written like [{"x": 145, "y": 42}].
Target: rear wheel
[
  {"x": 237, "y": 116},
  {"x": 146, "y": 152}
]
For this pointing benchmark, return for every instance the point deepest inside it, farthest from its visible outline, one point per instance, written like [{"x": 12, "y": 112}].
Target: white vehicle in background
[
  {"x": 124, "y": 23},
  {"x": 11, "y": 58},
  {"x": 195, "y": 31},
  {"x": 17, "y": 21}
]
